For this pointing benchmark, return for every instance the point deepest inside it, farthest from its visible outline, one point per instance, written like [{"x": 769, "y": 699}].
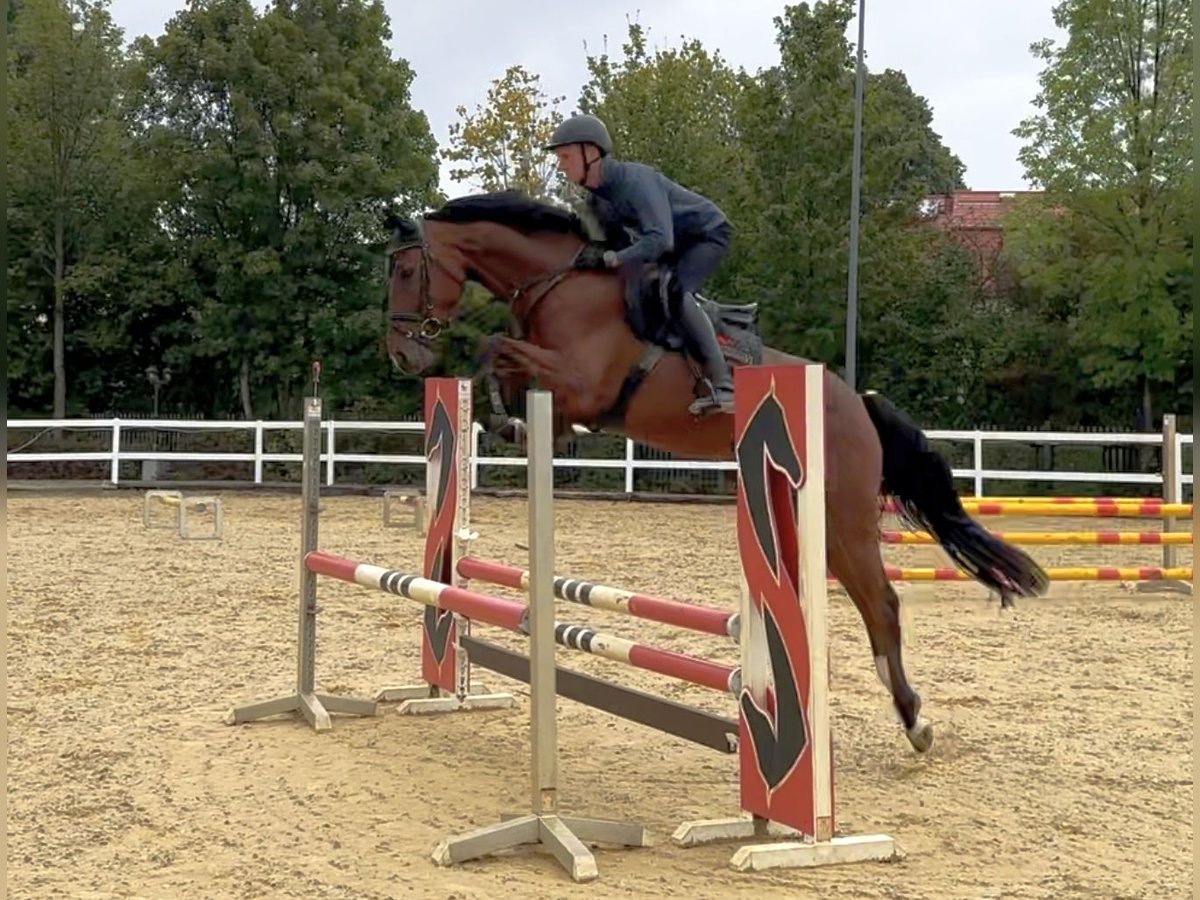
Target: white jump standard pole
[
  {"x": 427, "y": 698},
  {"x": 313, "y": 706},
  {"x": 562, "y": 836}
]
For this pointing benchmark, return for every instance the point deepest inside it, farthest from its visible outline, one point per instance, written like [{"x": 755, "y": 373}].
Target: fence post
[
  {"x": 329, "y": 451},
  {"x": 258, "y": 451},
  {"x": 476, "y": 431},
  {"x": 629, "y": 466},
  {"x": 1170, "y": 476},
  {"x": 1179, "y": 476},
  {"x": 978, "y": 444},
  {"x": 116, "y": 451}
]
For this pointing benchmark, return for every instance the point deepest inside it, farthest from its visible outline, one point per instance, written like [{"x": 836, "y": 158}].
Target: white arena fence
[{"x": 125, "y": 441}]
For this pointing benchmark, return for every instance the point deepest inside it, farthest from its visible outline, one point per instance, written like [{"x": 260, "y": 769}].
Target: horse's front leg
[{"x": 540, "y": 368}]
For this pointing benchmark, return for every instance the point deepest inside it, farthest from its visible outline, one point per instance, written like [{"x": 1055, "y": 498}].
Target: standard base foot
[
  {"x": 711, "y": 831},
  {"x": 562, "y": 837},
  {"x": 796, "y": 853},
  {"x": 417, "y": 700},
  {"x": 801, "y": 855},
  {"x": 597, "y": 831},
  {"x": 1154, "y": 587},
  {"x": 314, "y": 707}
]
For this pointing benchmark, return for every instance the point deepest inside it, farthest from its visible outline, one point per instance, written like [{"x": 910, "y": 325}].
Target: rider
[{"x": 671, "y": 224}]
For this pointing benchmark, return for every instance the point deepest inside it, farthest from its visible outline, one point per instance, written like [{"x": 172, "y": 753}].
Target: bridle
[{"x": 431, "y": 326}]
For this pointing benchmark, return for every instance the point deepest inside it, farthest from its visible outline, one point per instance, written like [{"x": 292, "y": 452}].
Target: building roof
[{"x": 969, "y": 210}]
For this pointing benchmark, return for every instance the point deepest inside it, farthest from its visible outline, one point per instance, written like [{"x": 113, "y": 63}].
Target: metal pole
[
  {"x": 855, "y": 192},
  {"x": 543, "y": 692},
  {"x": 564, "y": 837},
  {"x": 310, "y": 490},
  {"x": 313, "y": 706},
  {"x": 1170, "y": 489}
]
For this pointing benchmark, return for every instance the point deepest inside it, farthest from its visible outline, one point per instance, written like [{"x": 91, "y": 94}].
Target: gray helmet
[{"x": 582, "y": 130}]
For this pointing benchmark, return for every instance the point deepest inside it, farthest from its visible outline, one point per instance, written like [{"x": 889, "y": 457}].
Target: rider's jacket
[{"x": 652, "y": 213}]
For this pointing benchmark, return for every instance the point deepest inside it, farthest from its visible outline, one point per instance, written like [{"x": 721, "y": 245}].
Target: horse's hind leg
[{"x": 855, "y": 561}]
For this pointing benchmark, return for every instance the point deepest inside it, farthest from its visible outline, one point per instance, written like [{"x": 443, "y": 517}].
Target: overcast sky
[{"x": 969, "y": 59}]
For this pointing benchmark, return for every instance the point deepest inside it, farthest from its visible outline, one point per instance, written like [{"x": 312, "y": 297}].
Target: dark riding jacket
[{"x": 662, "y": 216}]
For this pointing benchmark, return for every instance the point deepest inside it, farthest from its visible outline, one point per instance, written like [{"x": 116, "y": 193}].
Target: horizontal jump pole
[
  {"x": 687, "y": 722},
  {"x": 1106, "y": 501},
  {"x": 1100, "y": 573},
  {"x": 513, "y": 616},
  {"x": 1158, "y": 509},
  {"x": 599, "y": 596},
  {"x": 1055, "y": 537},
  {"x": 478, "y": 607}
]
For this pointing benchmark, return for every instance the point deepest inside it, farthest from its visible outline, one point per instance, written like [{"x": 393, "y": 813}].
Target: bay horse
[{"x": 576, "y": 341}]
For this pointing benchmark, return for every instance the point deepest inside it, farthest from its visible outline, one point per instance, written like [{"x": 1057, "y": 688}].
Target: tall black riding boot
[{"x": 702, "y": 344}]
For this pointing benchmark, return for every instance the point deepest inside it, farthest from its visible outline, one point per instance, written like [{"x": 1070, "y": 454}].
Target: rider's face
[{"x": 570, "y": 162}]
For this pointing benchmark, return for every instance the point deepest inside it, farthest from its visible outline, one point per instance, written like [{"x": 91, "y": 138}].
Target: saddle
[{"x": 650, "y": 298}]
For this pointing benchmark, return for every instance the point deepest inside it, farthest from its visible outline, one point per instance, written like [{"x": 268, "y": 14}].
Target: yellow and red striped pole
[
  {"x": 1156, "y": 509},
  {"x": 1056, "y": 537},
  {"x": 1106, "y": 501},
  {"x": 1090, "y": 573}
]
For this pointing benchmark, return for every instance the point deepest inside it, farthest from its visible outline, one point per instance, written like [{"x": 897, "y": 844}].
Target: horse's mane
[{"x": 511, "y": 208}]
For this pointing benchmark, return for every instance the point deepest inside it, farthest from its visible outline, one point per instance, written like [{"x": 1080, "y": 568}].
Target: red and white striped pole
[
  {"x": 479, "y": 607},
  {"x": 514, "y": 616},
  {"x": 599, "y": 596}
]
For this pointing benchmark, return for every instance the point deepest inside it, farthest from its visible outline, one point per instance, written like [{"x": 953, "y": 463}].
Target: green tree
[
  {"x": 65, "y": 170},
  {"x": 284, "y": 137},
  {"x": 773, "y": 150},
  {"x": 500, "y": 146},
  {"x": 797, "y": 119},
  {"x": 676, "y": 109},
  {"x": 1111, "y": 146}
]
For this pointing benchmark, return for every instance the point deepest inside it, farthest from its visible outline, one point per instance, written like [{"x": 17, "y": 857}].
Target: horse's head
[
  {"x": 424, "y": 288},
  {"x": 518, "y": 248}
]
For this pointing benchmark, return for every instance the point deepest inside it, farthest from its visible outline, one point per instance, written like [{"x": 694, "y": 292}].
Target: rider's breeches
[{"x": 695, "y": 262}]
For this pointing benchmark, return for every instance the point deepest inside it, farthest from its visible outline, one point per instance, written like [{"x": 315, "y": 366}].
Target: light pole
[
  {"x": 855, "y": 193},
  {"x": 157, "y": 383}
]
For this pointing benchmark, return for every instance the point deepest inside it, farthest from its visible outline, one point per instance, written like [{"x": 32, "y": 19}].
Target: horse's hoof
[{"x": 921, "y": 736}]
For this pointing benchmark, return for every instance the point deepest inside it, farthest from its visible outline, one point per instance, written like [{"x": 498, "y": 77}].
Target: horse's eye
[{"x": 406, "y": 272}]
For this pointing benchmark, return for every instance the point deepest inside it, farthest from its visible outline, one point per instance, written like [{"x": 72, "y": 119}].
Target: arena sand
[{"x": 1061, "y": 766}]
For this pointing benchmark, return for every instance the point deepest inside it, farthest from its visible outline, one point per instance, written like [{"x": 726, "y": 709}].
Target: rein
[{"x": 550, "y": 279}]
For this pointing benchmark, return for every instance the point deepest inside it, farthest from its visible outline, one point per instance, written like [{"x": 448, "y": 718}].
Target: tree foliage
[
  {"x": 284, "y": 139},
  {"x": 1111, "y": 145},
  {"x": 65, "y": 167},
  {"x": 210, "y": 202},
  {"x": 500, "y": 146}
]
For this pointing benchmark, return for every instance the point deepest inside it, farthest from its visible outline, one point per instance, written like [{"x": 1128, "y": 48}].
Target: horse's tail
[{"x": 922, "y": 484}]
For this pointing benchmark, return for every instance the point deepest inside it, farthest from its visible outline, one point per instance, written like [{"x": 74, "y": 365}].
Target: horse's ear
[{"x": 403, "y": 229}]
